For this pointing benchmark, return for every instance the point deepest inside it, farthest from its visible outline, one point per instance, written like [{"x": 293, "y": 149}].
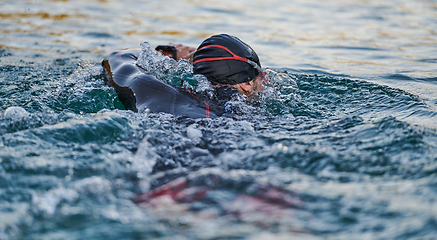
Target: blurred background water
[{"x": 356, "y": 151}]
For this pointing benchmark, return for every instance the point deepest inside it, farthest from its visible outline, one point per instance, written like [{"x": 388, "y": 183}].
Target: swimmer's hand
[{"x": 183, "y": 51}]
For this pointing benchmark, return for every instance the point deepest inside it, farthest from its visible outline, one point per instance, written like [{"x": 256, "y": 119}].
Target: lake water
[{"x": 348, "y": 149}]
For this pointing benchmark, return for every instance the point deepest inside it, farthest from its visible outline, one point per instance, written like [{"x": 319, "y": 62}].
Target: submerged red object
[{"x": 216, "y": 194}]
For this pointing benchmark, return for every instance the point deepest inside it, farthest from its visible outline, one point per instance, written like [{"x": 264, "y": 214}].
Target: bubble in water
[{"x": 15, "y": 113}]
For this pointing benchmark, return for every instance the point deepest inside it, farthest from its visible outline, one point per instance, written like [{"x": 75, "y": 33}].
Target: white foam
[
  {"x": 194, "y": 133},
  {"x": 47, "y": 203}
]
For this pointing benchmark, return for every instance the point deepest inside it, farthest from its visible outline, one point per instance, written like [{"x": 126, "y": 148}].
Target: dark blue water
[{"x": 346, "y": 149}]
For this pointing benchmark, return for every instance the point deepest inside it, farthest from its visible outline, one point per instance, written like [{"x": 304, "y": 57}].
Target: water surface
[{"x": 347, "y": 150}]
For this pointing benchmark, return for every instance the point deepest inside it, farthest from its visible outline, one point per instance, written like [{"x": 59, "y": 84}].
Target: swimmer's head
[{"x": 225, "y": 59}]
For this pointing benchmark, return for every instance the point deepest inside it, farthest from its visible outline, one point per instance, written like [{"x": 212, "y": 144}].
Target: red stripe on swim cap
[{"x": 234, "y": 56}]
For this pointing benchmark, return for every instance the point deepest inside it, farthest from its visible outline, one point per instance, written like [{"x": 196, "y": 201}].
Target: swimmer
[{"x": 228, "y": 63}]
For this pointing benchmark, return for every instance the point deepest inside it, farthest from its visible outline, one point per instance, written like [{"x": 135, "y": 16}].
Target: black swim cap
[{"x": 226, "y": 59}]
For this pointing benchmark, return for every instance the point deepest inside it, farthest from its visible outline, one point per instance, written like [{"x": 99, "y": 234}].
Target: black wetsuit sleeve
[
  {"x": 139, "y": 91},
  {"x": 152, "y": 94}
]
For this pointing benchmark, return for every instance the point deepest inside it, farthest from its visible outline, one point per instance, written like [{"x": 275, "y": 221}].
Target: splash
[
  {"x": 280, "y": 95},
  {"x": 83, "y": 91},
  {"x": 176, "y": 73},
  {"x": 279, "y": 89}
]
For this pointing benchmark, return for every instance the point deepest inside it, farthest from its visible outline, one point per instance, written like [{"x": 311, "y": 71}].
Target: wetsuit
[{"x": 139, "y": 91}]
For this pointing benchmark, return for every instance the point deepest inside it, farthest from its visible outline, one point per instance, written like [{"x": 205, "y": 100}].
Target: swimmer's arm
[{"x": 184, "y": 52}]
